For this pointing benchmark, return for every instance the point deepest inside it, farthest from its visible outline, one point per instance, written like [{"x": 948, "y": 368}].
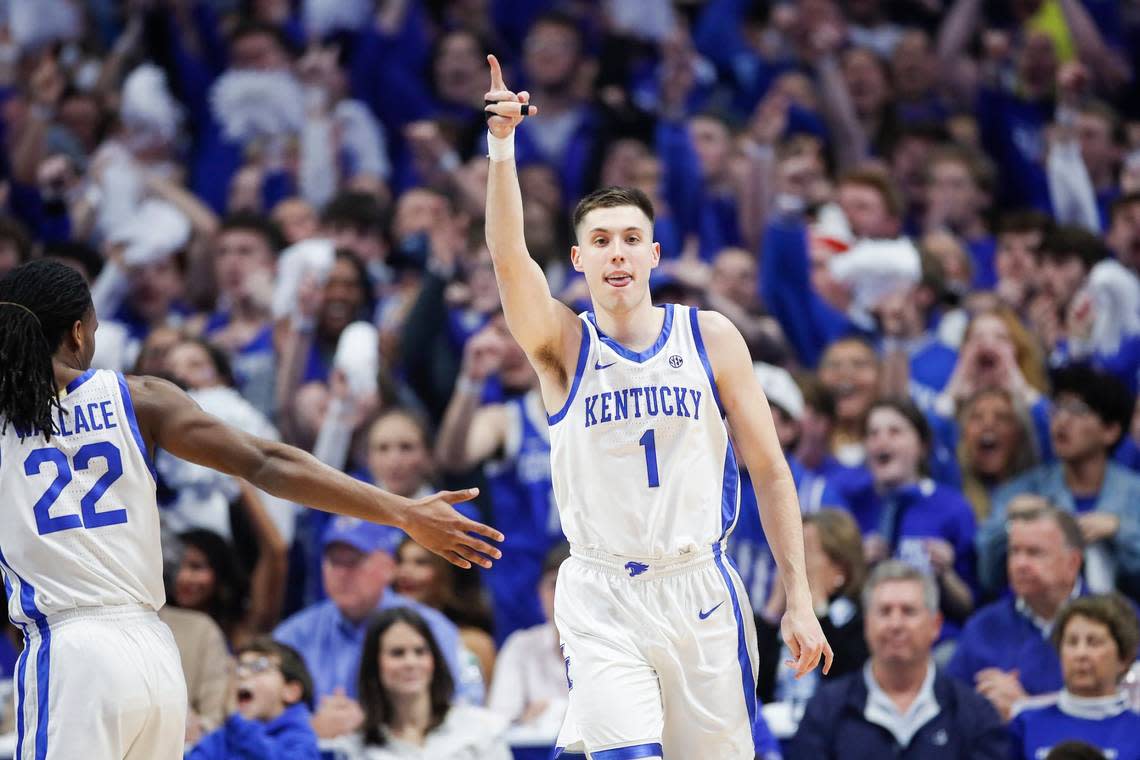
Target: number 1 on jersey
[{"x": 650, "y": 445}]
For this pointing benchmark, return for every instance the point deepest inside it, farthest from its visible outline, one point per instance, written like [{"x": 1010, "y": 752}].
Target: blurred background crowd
[{"x": 923, "y": 216}]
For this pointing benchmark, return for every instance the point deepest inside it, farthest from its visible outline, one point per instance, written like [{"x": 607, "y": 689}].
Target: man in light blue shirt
[
  {"x": 1090, "y": 412},
  {"x": 357, "y": 566}
]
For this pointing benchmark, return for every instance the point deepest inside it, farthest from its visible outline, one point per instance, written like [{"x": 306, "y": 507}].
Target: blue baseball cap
[{"x": 362, "y": 535}]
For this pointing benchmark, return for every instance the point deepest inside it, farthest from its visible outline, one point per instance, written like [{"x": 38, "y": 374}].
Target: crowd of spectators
[{"x": 922, "y": 215}]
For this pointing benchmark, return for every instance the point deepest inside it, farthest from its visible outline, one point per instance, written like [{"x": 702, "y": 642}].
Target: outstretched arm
[
  {"x": 750, "y": 419},
  {"x": 545, "y": 328},
  {"x": 170, "y": 419}
]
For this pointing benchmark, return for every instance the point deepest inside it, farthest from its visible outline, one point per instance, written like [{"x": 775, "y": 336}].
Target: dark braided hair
[{"x": 44, "y": 300}]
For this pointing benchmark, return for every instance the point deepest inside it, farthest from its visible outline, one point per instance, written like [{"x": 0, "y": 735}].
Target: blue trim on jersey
[
  {"x": 560, "y": 752},
  {"x": 648, "y": 353},
  {"x": 21, "y": 661},
  {"x": 80, "y": 380},
  {"x": 746, "y": 679},
  {"x": 705, "y": 357},
  {"x": 21, "y": 681},
  {"x": 729, "y": 493},
  {"x": 129, "y": 406},
  {"x": 43, "y": 679},
  {"x": 583, "y": 352},
  {"x": 629, "y": 753},
  {"x": 43, "y": 666}
]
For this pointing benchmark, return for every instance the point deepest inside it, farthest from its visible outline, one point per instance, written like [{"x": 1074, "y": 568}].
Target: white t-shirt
[
  {"x": 529, "y": 669},
  {"x": 467, "y": 733}
]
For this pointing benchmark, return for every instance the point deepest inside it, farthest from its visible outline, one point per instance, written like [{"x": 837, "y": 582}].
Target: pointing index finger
[{"x": 496, "y": 73}]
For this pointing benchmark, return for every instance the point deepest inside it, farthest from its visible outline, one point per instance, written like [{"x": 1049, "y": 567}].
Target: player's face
[
  {"x": 417, "y": 574},
  {"x": 616, "y": 253},
  {"x": 260, "y": 686},
  {"x": 195, "y": 581},
  {"x": 406, "y": 664},
  {"x": 1090, "y": 661},
  {"x": 899, "y": 628},
  {"x": 894, "y": 448}
]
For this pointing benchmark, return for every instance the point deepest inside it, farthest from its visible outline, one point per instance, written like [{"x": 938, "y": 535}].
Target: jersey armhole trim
[
  {"x": 695, "y": 323},
  {"x": 129, "y": 406},
  {"x": 583, "y": 352}
]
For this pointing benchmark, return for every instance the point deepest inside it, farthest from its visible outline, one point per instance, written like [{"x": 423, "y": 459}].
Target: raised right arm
[{"x": 546, "y": 329}]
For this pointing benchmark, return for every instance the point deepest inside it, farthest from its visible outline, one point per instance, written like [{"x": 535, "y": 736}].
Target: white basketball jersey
[
  {"x": 640, "y": 455},
  {"x": 79, "y": 514}
]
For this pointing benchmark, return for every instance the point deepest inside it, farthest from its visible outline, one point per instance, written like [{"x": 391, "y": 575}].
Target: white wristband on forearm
[
  {"x": 468, "y": 387},
  {"x": 501, "y": 148}
]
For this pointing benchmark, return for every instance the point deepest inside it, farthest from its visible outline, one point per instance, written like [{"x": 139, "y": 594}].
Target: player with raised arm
[
  {"x": 100, "y": 675},
  {"x": 656, "y": 628}
]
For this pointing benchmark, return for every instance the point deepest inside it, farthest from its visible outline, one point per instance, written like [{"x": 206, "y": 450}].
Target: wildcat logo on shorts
[
  {"x": 635, "y": 568},
  {"x": 676, "y": 361}
]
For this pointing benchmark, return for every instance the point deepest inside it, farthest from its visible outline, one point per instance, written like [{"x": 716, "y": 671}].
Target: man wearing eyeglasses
[
  {"x": 273, "y": 694},
  {"x": 1090, "y": 412}
]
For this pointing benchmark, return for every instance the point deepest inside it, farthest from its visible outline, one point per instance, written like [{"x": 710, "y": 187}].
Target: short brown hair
[
  {"x": 1070, "y": 528},
  {"x": 843, "y": 544},
  {"x": 880, "y": 183},
  {"x": 1112, "y": 611},
  {"x": 612, "y": 197}
]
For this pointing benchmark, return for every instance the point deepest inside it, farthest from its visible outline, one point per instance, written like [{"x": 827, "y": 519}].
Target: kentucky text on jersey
[
  {"x": 644, "y": 401},
  {"x": 83, "y": 418}
]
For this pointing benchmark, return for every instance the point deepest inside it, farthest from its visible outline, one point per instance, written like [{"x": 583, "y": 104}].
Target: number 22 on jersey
[{"x": 89, "y": 516}]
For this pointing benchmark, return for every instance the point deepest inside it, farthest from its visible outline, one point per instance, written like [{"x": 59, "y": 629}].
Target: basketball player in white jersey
[
  {"x": 656, "y": 631},
  {"x": 99, "y": 676}
]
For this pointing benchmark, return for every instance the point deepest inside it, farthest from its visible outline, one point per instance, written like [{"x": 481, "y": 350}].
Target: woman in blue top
[
  {"x": 1097, "y": 639},
  {"x": 908, "y": 516}
]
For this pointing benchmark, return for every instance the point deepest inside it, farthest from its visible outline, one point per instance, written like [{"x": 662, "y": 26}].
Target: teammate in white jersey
[
  {"x": 100, "y": 675},
  {"x": 656, "y": 631}
]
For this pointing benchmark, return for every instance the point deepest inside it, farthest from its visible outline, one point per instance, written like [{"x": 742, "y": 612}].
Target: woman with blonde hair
[{"x": 995, "y": 444}]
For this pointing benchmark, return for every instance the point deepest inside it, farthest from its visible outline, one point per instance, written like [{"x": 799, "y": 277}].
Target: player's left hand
[{"x": 801, "y": 632}]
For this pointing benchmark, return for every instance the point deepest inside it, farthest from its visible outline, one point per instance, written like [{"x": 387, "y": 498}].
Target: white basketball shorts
[
  {"x": 660, "y": 657},
  {"x": 102, "y": 683}
]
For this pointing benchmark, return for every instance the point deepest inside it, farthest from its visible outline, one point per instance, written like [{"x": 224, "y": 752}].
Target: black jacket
[{"x": 833, "y": 727}]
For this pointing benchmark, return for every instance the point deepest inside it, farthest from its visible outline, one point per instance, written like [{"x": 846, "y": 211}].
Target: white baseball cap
[{"x": 780, "y": 389}]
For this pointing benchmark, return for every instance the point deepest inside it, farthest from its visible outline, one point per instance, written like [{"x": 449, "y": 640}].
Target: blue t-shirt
[
  {"x": 1035, "y": 732},
  {"x": 1085, "y": 503},
  {"x": 908, "y": 516}
]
